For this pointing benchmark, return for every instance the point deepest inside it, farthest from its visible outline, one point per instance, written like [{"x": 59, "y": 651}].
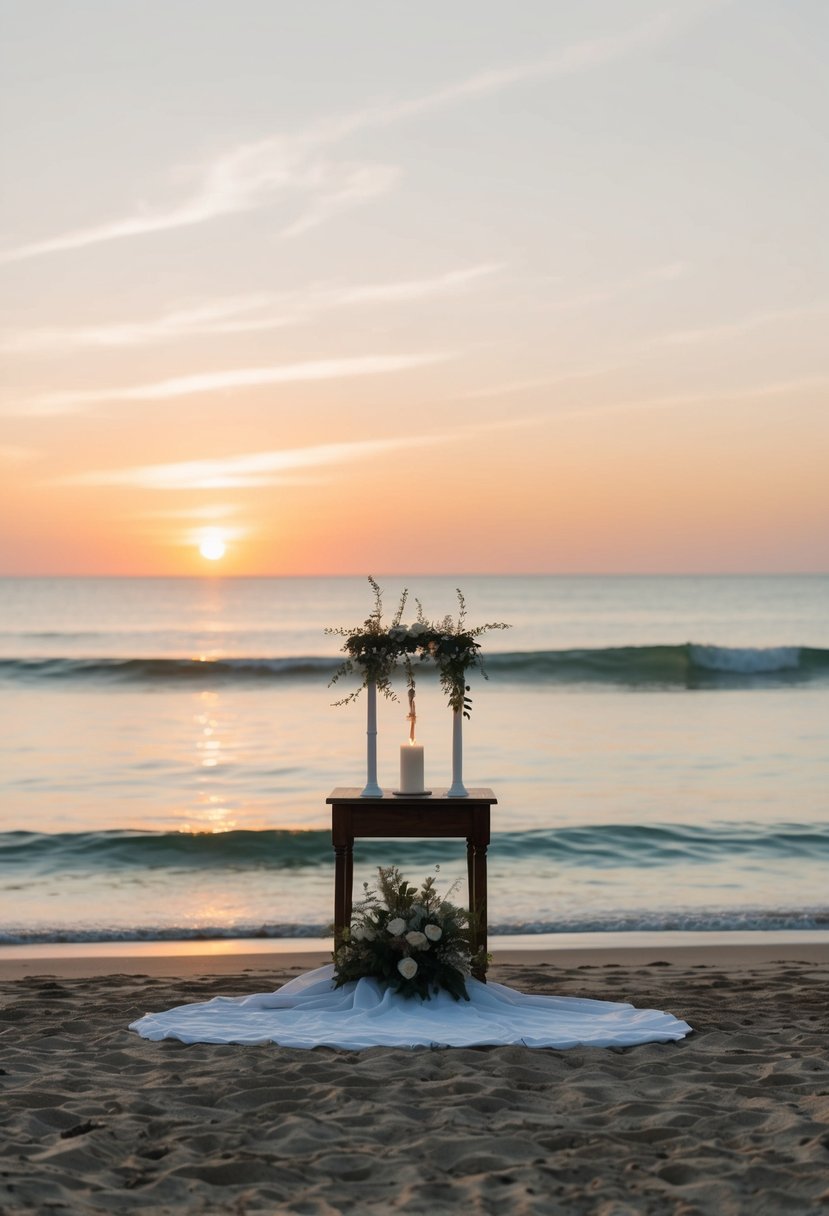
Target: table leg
[
  {"x": 340, "y": 870},
  {"x": 349, "y": 881},
  {"x": 480, "y": 905},
  {"x": 476, "y": 868},
  {"x": 470, "y": 872}
]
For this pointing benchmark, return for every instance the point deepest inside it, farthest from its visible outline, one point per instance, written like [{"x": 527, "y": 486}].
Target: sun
[{"x": 212, "y": 547}]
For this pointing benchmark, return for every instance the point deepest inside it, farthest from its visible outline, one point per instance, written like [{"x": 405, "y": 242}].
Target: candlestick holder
[
  {"x": 457, "y": 789},
  {"x": 372, "y": 789}
]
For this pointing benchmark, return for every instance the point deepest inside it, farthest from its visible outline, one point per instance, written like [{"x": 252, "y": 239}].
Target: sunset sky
[{"x": 465, "y": 287}]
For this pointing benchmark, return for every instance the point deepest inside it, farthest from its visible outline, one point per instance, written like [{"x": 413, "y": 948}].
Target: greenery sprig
[
  {"x": 415, "y": 941},
  {"x": 374, "y": 653},
  {"x": 456, "y": 650}
]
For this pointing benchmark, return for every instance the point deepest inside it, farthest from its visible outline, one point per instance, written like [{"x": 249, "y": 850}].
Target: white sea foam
[{"x": 745, "y": 660}]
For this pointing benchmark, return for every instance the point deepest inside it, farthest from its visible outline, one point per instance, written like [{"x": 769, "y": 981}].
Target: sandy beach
[{"x": 734, "y": 1119}]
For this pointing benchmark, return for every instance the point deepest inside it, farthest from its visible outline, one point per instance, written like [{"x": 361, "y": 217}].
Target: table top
[{"x": 353, "y": 794}]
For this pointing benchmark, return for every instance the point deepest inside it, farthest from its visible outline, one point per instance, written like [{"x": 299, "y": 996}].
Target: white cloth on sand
[{"x": 310, "y": 1012}]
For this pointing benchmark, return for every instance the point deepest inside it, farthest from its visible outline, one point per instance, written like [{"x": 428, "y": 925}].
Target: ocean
[{"x": 657, "y": 745}]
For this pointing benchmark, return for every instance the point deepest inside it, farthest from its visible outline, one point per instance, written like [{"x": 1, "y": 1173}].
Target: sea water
[{"x": 657, "y": 746}]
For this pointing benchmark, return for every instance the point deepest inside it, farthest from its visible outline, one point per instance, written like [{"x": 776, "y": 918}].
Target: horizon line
[{"x": 218, "y": 576}]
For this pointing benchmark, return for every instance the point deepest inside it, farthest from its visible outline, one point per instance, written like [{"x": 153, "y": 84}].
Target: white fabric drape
[{"x": 310, "y": 1012}]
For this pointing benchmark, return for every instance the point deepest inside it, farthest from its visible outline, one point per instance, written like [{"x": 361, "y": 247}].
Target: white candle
[{"x": 411, "y": 768}]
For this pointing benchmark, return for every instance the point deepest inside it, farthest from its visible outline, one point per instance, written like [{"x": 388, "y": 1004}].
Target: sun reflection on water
[{"x": 213, "y": 747}]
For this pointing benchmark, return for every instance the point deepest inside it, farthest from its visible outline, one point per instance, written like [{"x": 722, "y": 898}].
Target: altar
[
  {"x": 435, "y": 816},
  {"x": 320, "y": 1009},
  {"x": 400, "y": 975}
]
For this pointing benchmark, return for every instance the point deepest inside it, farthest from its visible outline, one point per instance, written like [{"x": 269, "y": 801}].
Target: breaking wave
[
  {"x": 690, "y": 665},
  {"x": 598, "y": 846}
]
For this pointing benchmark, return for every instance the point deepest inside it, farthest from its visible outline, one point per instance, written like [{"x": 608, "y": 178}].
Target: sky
[{"x": 324, "y": 288}]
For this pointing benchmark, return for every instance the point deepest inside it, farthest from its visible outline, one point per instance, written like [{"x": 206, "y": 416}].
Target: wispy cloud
[
  {"x": 254, "y": 469},
  {"x": 243, "y": 377},
  {"x": 209, "y": 514},
  {"x": 206, "y": 317},
  {"x": 240, "y": 314},
  {"x": 736, "y": 328},
  {"x": 714, "y": 396},
  {"x": 411, "y": 289},
  {"x": 599, "y": 294},
  {"x": 604, "y": 293},
  {"x": 250, "y": 176},
  {"x": 753, "y": 392},
  {"x": 10, "y": 454},
  {"x": 298, "y": 168},
  {"x": 246, "y": 471},
  {"x": 339, "y": 187},
  {"x": 511, "y": 387},
  {"x": 580, "y": 57}
]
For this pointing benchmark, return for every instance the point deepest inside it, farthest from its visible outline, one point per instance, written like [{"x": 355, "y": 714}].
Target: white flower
[
  {"x": 417, "y": 939},
  {"x": 407, "y": 968},
  {"x": 397, "y": 926},
  {"x": 418, "y": 628},
  {"x": 433, "y": 932},
  {"x": 368, "y": 934},
  {"x": 358, "y": 932}
]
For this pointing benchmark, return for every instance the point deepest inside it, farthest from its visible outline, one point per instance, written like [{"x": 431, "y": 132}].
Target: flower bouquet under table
[{"x": 415, "y": 941}]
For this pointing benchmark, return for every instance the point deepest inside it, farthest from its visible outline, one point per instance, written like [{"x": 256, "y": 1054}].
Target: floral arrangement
[
  {"x": 455, "y": 649},
  {"x": 374, "y": 652},
  {"x": 415, "y": 941}
]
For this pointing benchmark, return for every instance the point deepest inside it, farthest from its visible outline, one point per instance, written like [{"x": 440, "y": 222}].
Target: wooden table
[{"x": 434, "y": 816}]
